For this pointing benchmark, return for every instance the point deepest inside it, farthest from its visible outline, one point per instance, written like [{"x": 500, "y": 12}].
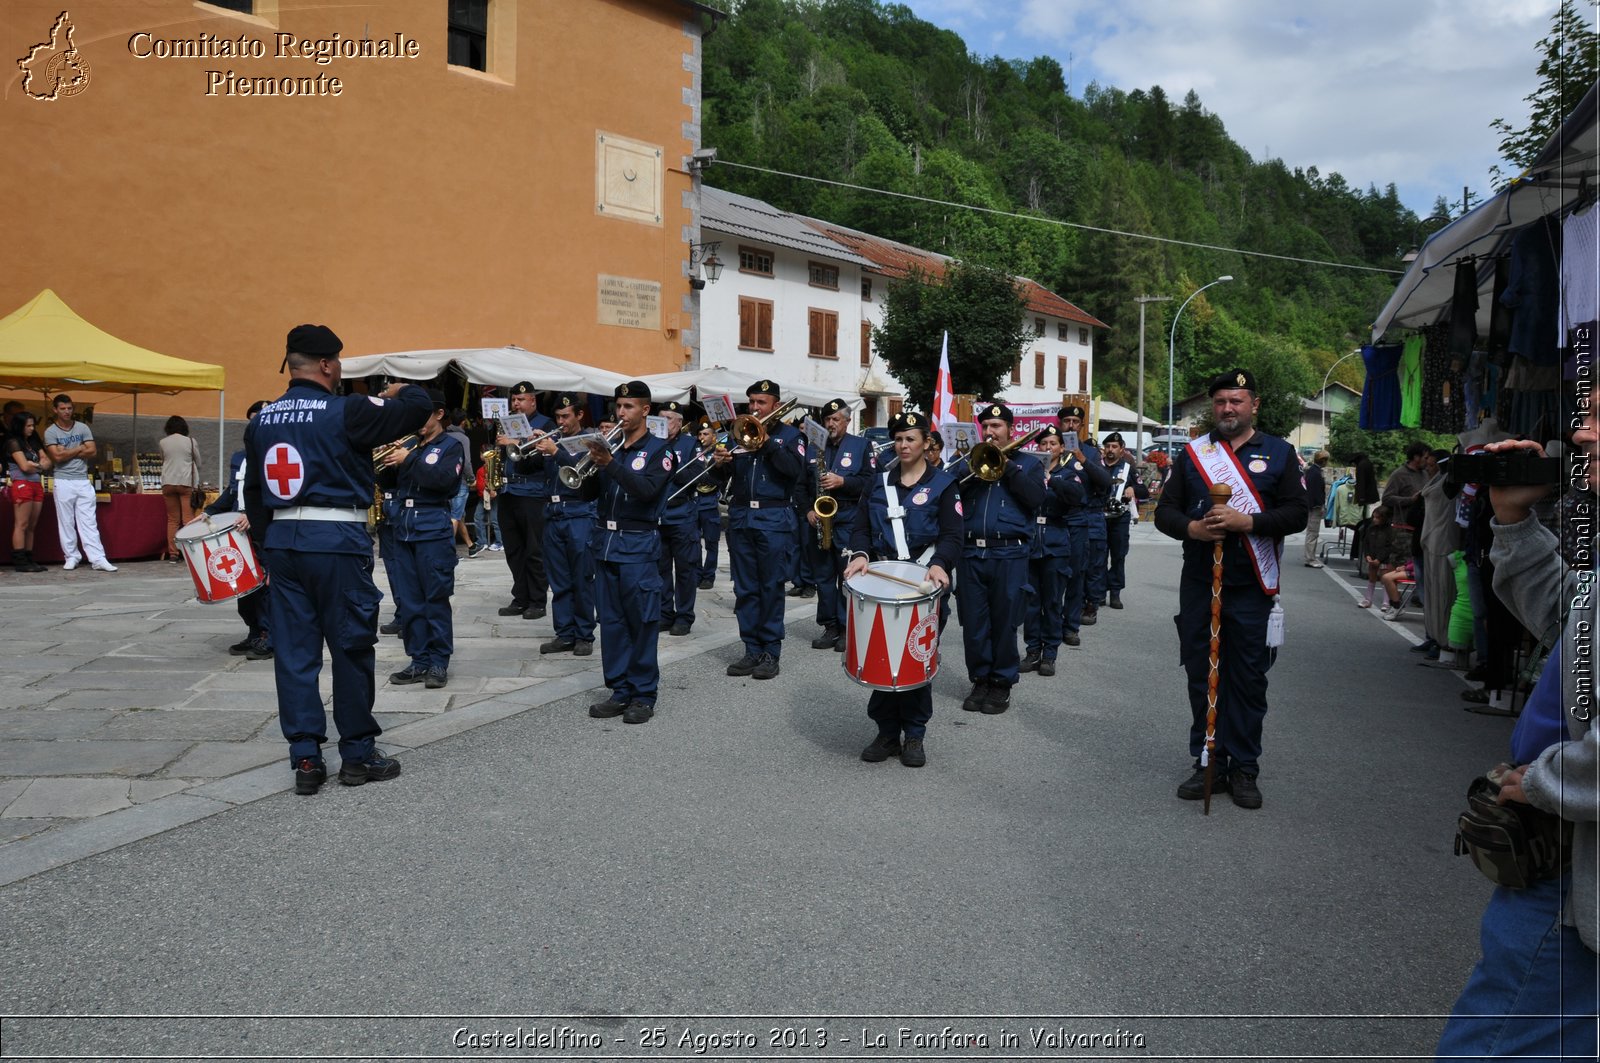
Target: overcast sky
[{"x": 1377, "y": 90}]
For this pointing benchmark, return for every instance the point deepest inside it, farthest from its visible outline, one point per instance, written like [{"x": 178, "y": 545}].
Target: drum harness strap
[{"x": 897, "y": 523}]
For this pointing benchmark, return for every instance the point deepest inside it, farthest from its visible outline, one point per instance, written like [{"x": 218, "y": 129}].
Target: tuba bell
[{"x": 750, "y": 431}]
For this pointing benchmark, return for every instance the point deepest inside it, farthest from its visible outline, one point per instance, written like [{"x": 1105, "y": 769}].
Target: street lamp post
[
  {"x": 1172, "y": 342},
  {"x": 1142, "y": 300},
  {"x": 1322, "y": 396}
]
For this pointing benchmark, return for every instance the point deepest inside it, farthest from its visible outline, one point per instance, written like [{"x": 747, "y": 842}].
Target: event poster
[
  {"x": 495, "y": 409},
  {"x": 719, "y": 408}
]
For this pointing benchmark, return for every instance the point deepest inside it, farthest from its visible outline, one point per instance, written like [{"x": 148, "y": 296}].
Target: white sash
[
  {"x": 897, "y": 523},
  {"x": 1217, "y": 463}
]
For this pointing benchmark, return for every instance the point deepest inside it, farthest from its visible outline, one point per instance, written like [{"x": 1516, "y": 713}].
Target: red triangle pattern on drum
[{"x": 876, "y": 668}]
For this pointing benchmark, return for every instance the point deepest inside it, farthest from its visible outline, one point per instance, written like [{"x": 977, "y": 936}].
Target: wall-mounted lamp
[{"x": 704, "y": 256}]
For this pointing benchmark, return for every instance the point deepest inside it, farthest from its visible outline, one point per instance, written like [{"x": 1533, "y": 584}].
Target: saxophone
[
  {"x": 826, "y": 507},
  {"x": 375, "y": 511},
  {"x": 494, "y": 474}
]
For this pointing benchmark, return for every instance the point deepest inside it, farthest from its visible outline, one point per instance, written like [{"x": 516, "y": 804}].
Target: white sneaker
[
  {"x": 497, "y": 548},
  {"x": 1385, "y": 611},
  {"x": 104, "y": 566},
  {"x": 72, "y": 563}
]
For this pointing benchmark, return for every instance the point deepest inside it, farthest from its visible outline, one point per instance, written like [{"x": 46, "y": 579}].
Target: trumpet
[
  {"x": 721, "y": 443},
  {"x": 528, "y": 447},
  {"x": 988, "y": 462},
  {"x": 751, "y": 431},
  {"x": 572, "y": 476},
  {"x": 380, "y": 455}
]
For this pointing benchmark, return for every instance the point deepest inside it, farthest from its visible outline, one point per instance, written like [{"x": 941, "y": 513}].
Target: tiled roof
[
  {"x": 895, "y": 259},
  {"x": 736, "y": 215}
]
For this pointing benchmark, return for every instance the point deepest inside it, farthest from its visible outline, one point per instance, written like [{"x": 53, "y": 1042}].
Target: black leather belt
[
  {"x": 412, "y": 503},
  {"x": 764, "y": 503},
  {"x": 986, "y": 541},
  {"x": 629, "y": 525}
]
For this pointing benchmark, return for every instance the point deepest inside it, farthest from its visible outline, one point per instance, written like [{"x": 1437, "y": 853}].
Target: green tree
[
  {"x": 1568, "y": 64},
  {"x": 1346, "y": 439},
  {"x": 985, "y": 313}
]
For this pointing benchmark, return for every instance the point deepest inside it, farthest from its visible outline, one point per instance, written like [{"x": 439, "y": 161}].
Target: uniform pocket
[{"x": 358, "y": 614}]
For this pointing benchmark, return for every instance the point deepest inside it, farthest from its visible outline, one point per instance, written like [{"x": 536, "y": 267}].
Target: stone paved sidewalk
[{"x": 123, "y": 713}]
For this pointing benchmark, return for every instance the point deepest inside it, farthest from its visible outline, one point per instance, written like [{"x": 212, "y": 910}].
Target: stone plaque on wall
[
  {"x": 630, "y": 302},
  {"x": 627, "y": 179}
]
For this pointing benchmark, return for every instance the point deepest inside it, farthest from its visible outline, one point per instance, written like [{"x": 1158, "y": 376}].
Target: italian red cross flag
[{"x": 944, "y": 396}]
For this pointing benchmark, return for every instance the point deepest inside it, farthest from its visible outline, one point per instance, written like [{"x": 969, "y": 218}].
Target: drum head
[
  {"x": 207, "y": 526},
  {"x": 868, "y": 585}
]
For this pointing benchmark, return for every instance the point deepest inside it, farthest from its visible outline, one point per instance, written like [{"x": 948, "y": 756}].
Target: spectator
[
  {"x": 458, "y": 505},
  {"x": 71, "y": 447},
  {"x": 1317, "y": 496},
  {"x": 1366, "y": 481},
  {"x": 1440, "y": 537},
  {"x": 26, "y": 460},
  {"x": 180, "y": 477},
  {"x": 1533, "y": 990},
  {"x": 1379, "y": 550},
  {"x": 487, "y": 521}
]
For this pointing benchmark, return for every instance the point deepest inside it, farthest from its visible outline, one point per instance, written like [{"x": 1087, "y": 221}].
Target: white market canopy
[
  {"x": 718, "y": 380},
  {"x": 1568, "y": 163},
  {"x": 499, "y": 366}
]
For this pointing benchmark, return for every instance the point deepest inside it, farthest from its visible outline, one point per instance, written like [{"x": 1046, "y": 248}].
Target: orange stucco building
[{"x": 196, "y": 179}]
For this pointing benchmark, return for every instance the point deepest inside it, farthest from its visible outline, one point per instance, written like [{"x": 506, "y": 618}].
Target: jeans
[{"x": 493, "y": 522}]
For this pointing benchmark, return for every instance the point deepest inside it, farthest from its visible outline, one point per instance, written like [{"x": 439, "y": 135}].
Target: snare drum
[
  {"x": 220, "y": 558},
  {"x": 891, "y": 630}
]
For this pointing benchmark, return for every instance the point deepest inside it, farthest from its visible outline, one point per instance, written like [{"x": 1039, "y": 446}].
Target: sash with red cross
[{"x": 1217, "y": 463}]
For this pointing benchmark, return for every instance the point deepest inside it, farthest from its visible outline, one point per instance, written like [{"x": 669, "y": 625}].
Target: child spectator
[{"x": 1383, "y": 549}]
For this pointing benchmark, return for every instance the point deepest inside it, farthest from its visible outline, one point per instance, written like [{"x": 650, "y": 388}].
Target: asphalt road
[{"x": 734, "y": 857}]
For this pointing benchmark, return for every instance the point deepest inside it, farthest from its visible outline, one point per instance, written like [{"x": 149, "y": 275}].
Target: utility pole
[{"x": 1142, "y": 300}]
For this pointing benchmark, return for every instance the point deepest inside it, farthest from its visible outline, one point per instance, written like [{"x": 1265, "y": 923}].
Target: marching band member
[
  {"x": 761, "y": 532},
  {"x": 257, "y": 643},
  {"x": 630, "y": 486},
  {"x": 913, "y": 513},
  {"x": 680, "y": 527},
  {"x": 1085, "y": 609},
  {"x": 423, "y": 572},
  {"x": 522, "y": 511},
  {"x": 1122, "y": 498},
  {"x": 1050, "y": 560},
  {"x": 846, "y": 477},
  {"x": 309, "y": 486},
  {"x": 568, "y": 527},
  {"x": 998, "y": 519},
  {"x": 1269, "y": 502},
  {"x": 708, "y": 512}
]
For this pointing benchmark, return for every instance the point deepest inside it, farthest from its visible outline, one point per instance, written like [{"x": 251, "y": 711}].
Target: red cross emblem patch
[{"x": 284, "y": 472}]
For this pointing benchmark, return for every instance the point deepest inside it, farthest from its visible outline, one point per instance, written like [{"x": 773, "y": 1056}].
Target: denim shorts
[{"x": 458, "y": 505}]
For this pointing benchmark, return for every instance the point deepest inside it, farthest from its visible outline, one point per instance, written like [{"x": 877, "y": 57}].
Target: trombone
[
  {"x": 721, "y": 443},
  {"x": 751, "y": 431},
  {"x": 572, "y": 476},
  {"x": 381, "y": 454},
  {"x": 988, "y": 461}
]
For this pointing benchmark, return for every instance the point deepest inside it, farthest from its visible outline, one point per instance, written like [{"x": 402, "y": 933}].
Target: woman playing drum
[{"x": 928, "y": 532}]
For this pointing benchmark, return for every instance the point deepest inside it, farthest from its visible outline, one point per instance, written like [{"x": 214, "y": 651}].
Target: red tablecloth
[{"x": 132, "y": 528}]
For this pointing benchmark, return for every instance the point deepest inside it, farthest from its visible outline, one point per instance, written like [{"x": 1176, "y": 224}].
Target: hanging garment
[
  {"x": 1464, "y": 313},
  {"x": 1499, "y": 315},
  {"x": 1533, "y": 293},
  {"x": 1380, "y": 395},
  {"x": 1411, "y": 383},
  {"x": 1580, "y": 272},
  {"x": 1441, "y": 389}
]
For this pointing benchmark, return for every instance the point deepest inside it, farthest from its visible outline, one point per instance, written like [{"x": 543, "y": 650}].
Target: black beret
[
  {"x": 833, "y": 406},
  {"x": 937, "y": 437},
  {"x": 567, "y": 401},
  {"x": 673, "y": 407},
  {"x": 763, "y": 387},
  {"x": 1233, "y": 379},
  {"x": 318, "y": 341},
  {"x": 633, "y": 389},
  {"x": 1049, "y": 431},
  {"x": 1114, "y": 437},
  {"x": 523, "y": 387},
  {"x": 901, "y": 422},
  {"x": 436, "y": 397},
  {"x": 1070, "y": 411},
  {"x": 996, "y": 410},
  {"x": 255, "y": 407}
]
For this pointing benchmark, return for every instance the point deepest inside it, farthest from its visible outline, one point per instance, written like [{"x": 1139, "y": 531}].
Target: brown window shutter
[
  {"x": 866, "y": 343},
  {"x": 747, "y": 323},
  {"x": 830, "y": 334},
  {"x": 764, "y": 326},
  {"x": 1038, "y": 369}
]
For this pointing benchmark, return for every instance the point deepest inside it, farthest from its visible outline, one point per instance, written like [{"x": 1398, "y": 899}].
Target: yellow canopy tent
[{"x": 46, "y": 347}]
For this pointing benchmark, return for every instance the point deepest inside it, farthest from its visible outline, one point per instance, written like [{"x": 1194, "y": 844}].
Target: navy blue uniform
[
  {"x": 1099, "y": 482},
  {"x": 932, "y": 519},
  {"x": 1050, "y": 564},
  {"x": 626, "y": 545},
  {"x": 680, "y": 538},
  {"x": 522, "y": 508},
  {"x": 1274, "y": 469},
  {"x": 1117, "y": 524},
  {"x": 308, "y": 486},
  {"x": 568, "y": 527},
  {"x": 709, "y": 514},
  {"x": 1079, "y": 519},
  {"x": 422, "y": 573},
  {"x": 850, "y": 458},
  {"x": 251, "y": 607},
  {"x": 992, "y": 588},
  {"x": 762, "y": 537}
]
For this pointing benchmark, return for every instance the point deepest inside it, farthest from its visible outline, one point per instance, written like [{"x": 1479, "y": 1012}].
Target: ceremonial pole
[{"x": 1220, "y": 493}]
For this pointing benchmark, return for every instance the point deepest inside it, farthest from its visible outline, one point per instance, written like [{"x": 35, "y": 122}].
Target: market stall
[{"x": 46, "y": 347}]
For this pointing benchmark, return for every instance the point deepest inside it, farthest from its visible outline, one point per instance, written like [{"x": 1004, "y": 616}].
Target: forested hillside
[{"x": 867, "y": 93}]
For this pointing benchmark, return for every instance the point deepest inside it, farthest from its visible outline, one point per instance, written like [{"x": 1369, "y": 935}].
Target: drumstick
[{"x": 926, "y": 586}]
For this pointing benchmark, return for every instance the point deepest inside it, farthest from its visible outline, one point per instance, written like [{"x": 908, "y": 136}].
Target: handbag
[
  {"x": 197, "y": 496},
  {"x": 1513, "y": 844}
]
